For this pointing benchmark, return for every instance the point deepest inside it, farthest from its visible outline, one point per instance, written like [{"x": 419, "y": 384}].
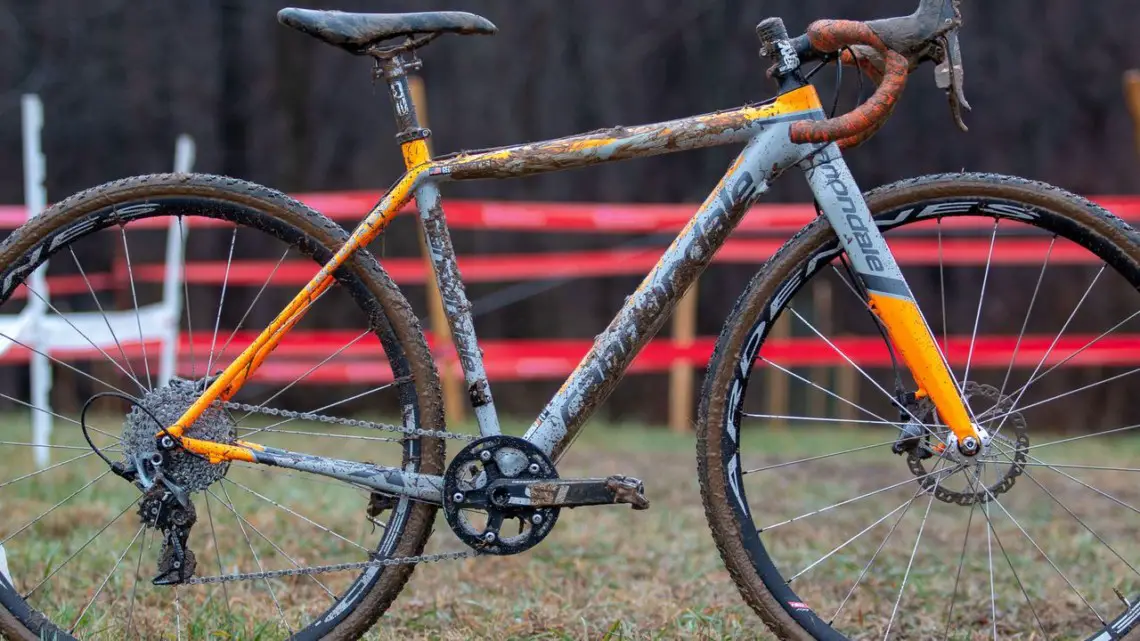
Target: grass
[{"x": 606, "y": 572}]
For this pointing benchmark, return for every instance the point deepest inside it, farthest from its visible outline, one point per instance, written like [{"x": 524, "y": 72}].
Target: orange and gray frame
[{"x": 767, "y": 130}]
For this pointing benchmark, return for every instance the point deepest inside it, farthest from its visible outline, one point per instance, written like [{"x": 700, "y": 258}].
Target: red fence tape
[{"x": 512, "y": 360}]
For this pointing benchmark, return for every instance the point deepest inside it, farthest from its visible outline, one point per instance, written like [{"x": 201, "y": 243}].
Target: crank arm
[
  {"x": 386, "y": 480},
  {"x": 569, "y": 492}
]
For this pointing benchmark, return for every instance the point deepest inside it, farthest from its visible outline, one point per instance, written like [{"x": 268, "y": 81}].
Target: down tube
[{"x": 645, "y": 311}]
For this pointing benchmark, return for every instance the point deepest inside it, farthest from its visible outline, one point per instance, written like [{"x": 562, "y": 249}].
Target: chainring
[
  {"x": 477, "y": 513},
  {"x": 1013, "y": 452}
]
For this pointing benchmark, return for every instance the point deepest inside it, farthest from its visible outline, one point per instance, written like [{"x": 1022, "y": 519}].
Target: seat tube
[
  {"x": 889, "y": 296},
  {"x": 456, "y": 306},
  {"x": 413, "y": 144}
]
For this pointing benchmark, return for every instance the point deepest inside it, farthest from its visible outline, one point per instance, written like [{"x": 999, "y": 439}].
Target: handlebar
[
  {"x": 886, "y": 50},
  {"x": 852, "y": 128}
]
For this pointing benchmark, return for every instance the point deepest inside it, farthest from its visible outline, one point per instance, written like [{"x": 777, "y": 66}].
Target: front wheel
[{"x": 835, "y": 526}]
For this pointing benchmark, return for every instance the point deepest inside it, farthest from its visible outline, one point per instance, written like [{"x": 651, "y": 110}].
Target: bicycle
[{"x": 181, "y": 442}]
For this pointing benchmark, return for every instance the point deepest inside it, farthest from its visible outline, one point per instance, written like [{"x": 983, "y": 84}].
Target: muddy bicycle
[{"x": 1008, "y": 533}]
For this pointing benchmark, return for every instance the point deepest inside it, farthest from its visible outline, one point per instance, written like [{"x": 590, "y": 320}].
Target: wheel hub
[{"x": 967, "y": 480}]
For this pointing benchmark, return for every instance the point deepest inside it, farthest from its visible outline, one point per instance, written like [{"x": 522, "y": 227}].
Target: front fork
[{"x": 888, "y": 295}]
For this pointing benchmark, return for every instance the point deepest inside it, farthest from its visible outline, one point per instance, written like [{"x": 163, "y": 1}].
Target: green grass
[{"x": 606, "y": 572}]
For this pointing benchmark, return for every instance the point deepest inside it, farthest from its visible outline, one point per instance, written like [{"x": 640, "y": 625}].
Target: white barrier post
[
  {"x": 35, "y": 196},
  {"x": 172, "y": 279}
]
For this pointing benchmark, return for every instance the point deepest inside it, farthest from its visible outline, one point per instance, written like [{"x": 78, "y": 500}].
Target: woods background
[{"x": 120, "y": 79}]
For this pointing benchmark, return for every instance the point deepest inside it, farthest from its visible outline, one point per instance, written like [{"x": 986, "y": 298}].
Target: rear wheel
[
  {"x": 77, "y": 558},
  {"x": 829, "y": 533}
]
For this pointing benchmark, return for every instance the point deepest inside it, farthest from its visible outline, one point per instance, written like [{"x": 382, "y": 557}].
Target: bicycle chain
[
  {"x": 349, "y": 422},
  {"x": 339, "y": 567}
]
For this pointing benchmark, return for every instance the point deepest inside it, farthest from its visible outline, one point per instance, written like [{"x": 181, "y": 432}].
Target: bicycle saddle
[{"x": 356, "y": 32}]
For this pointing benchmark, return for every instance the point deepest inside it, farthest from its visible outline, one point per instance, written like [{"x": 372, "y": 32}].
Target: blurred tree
[{"x": 121, "y": 79}]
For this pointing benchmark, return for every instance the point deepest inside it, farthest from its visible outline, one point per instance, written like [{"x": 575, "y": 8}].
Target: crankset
[{"x": 499, "y": 480}]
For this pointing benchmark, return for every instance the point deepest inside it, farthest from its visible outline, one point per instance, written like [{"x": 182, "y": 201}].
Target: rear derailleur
[
  {"x": 173, "y": 515},
  {"x": 165, "y": 506}
]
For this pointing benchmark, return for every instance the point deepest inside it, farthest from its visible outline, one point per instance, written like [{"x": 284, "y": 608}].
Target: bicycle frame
[{"x": 768, "y": 153}]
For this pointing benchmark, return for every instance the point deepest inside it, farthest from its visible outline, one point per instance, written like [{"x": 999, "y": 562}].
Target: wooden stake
[
  {"x": 681, "y": 372},
  {"x": 1132, "y": 98},
  {"x": 454, "y": 403}
]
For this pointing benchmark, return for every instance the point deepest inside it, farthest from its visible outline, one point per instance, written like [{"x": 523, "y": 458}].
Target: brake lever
[{"x": 948, "y": 75}]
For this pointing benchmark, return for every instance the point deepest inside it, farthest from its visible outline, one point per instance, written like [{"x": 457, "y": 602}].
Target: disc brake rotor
[{"x": 991, "y": 472}]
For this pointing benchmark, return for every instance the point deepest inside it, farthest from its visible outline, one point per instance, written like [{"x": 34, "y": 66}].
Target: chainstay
[
  {"x": 349, "y": 422},
  {"x": 339, "y": 567}
]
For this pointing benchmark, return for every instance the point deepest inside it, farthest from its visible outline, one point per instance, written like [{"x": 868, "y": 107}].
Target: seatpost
[{"x": 412, "y": 137}]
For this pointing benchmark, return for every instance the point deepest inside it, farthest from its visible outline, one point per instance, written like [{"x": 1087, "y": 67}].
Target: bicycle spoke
[
  {"x": 1048, "y": 559},
  {"x": 850, "y": 362},
  {"x": 382, "y": 439},
  {"x": 1053, "y": 344},
  {"x": 1078, "y": 351},
  {"x": 186, "y": 298},
  {"x": 256, "y": 558},
  {"x": 990, "y": 557},
  {"x": 325, "y": 407},
  {"x": 910, "y": 563},
  {"x": 821, "y": 456},
  {"x": 256, "y": 297},
  {"x": 300, "y": 516},
  {"x": 54, "y": 507},
  {"x": 827, "y": 391},
  {"x": 306, "y": 374},
  {"x": 859, "y": 498},
  {"x": 1028, "y": 312},
  {"x": 62, "y": 364},
  {"x": 61, "y": 417},
  {"x": 1078, "y": 519},
  {"x": 867, "y": 567},
  {"x": 961, "y": 562},
  {"x": 1084, "y": 436},
  {"x": 218, "y": 557},
  {"x": 850, "y": 540},
  {"x": 942, "y": 295},
  {"x": 272, "y": 544},
  {"x": 1014, "y": 409},
  {"x": 1080, "y": 467},
  {"x": 821, "y": 419},
  {"x": 59, "y": 567},
  {"x": 103, "y": 313},
  {"x": 107, "y": 578},
  {"x": 1082, "y": 483},
  {"x": 53, "y": 447},
  {"x": 981, "y": 299},
  {"x": 177, "y": 614},
  {"x": 110, "y": 359},
  {"x": 135, "y": 300},
  {"x": 1012, "y": 569},
  {"x": 221, "y": 301},
  {"x": 135, "y": 587},
  {"x": 52, "y": 467}
]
